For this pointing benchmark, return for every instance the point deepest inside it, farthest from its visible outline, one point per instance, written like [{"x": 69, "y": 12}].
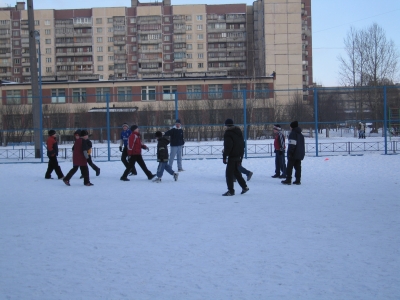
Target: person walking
[
  {"x": 52, "y": 153},
  {"x": 279, "y": 146},
  {"x": 177, "y": 142},
  {"x": 162, "y": 158},
  {"x": 89, "y": 160},
  {"x": 79, "y": 159},
  {"x": 122, "y": 148},
  {"x": 134, "y": 150},
  {"x": 232, "y": 156},
  {"x": 295, "y": 154}
]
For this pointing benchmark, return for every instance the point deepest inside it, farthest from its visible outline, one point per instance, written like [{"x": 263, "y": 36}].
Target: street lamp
[{"x": 37, "y": 39}]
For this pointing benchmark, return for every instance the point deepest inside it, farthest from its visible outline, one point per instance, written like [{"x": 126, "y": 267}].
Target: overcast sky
[{"x": 331, "y": 23}]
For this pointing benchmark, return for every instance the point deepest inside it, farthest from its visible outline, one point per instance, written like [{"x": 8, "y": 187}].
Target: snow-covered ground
[{"x": 336, "y": 236}]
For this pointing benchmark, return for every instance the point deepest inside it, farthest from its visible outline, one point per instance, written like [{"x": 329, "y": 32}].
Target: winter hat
[
  {"x": 277, "y": 127},
  {"x": 134, "y": 127},
  {"x": 51, "y": 132},
  {"x": 228, "y": 122},
  {"x": 158, "y": 134},
  {"x": 294, "y": 124},
  {"x": 84, "y": 132},
  {"x": 77, "y": 132},
  {"x": 125, "y": 124},
  {"x": 178, "y": 121}
]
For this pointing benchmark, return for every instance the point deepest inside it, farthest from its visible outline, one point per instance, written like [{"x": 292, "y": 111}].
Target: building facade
[{"x": 160, "y": 40}]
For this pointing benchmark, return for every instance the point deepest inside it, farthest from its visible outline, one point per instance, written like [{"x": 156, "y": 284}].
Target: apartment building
[{"x": 159, "y": 40}]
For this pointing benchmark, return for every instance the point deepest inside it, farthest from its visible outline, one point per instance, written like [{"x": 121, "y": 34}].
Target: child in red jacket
[{"x": 134, "y": 148}]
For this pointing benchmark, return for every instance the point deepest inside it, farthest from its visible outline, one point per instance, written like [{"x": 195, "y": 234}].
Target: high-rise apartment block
[{"x": 160, "y": 40}]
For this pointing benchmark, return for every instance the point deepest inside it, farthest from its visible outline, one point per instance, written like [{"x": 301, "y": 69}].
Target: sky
[
  {"x": 335, "y": 236},
  {"x": 331, "y": 23}
]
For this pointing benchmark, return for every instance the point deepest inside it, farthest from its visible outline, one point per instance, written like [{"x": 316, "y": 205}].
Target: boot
[{"x": 287, "y": 182}]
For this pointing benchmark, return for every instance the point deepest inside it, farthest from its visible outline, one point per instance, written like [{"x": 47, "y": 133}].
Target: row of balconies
[
  {"x": 73, "y": 63},
  {"x": 226, "y": 39},
  {"x": 142, "y": 42},
  {"x": 76, "y": 44},
  {"x": 227, "y": 58},
  {"x": 74, "y": 34},
  {"x": 6, "y": 74},
  {"x": 5, "y": 55},
  {"x": 71, "y": 54},
  {"x": 212, "y": 30}
]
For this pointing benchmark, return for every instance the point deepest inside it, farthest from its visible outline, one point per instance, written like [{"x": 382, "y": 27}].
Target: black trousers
[
  {"x": 139, "y": 159},
  {"x": 84, "y": 171},
  {"x": 296, "y": 164},
  {"x": 91, "y": 163},
  {"x": 231, "y": 172},
  {"x": 125, "y": 160},
  {"x": 53, "y": 166}
]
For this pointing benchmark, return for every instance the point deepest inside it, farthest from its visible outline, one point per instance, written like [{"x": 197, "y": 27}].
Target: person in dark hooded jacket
[
  {"x": 295, "y": 154},
  {"x": 232, "y": 157},
  {"x": 52, "y": 153},
  {"x": 162, "y": 158}
]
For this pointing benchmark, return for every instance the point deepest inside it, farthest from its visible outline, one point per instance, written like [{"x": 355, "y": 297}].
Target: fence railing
[{"x": 214, "y": 151}]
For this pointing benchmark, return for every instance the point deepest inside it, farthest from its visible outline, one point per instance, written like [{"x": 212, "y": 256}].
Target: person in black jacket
[
  {"x": 232, "y": 157},
  {"x": 89, "y": 159},
  {"x": 52, "y": 153},
  {"x": 295, "y": 154},
  {"x": 177, "y": 142},
  {"x": 162, "y": 158}
]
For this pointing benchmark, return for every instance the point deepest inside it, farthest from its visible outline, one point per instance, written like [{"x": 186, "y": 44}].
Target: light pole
[{"x": 37, "y": 38}]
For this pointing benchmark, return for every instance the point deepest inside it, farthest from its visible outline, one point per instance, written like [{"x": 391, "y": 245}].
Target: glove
[
  {"x": 224, "y": 160},
  {"x": 120, "y": 148}
]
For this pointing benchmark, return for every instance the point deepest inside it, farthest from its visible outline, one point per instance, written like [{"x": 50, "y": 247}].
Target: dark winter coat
[
  {"x": 162, "y": 150},
  {"x": 279, "y": 142},
  {"x": 52, "y": 146},
  {"x": 135, "y": 145},
  {"x": 233, "y": 144},
  {"x": 78, "y": 158},
  {"x": 176, "y": 136},
  {"x": 89, "y": 146},
  {"x": 296, "y": 148}
]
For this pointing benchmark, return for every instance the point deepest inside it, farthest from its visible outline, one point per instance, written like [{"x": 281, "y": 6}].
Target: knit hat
[
  {"x": 277, "y": 127},
  {"x": 51, "y": 132},
  {"x": 158, "y": 134},
  {"x": 228, "y": 122},
  {"x": 84, "y": 132},
  {"x": 294, "y": 124},
  {"x": 77, "y": 132},
  {"x": 178, "y": 121},
  {"x": 125, "y": 124},
  {"x": 134, "y": 127}
]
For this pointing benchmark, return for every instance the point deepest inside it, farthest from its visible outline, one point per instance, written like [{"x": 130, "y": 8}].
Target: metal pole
[
  {"x": 34, "y": 80},
  {"x": 108, "y": 126},
  {"x": 316, "y": 119},
  {"x": 176, "y": 105},
  {"x": 37, "y": 38},
  {"x": 244, "y": 123},
  {"x": 385, "y": 116}
]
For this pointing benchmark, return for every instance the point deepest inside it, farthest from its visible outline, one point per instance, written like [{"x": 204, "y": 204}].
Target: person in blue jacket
[
  {"x": 295, "y": 154},
  {"x": 123, "y": 147},
  {"x": 177, "y": 142}
]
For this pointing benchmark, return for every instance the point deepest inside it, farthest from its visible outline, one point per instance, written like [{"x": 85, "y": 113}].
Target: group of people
[
  {"x": 131, "y": 146},
  {"x": 81, "y": 157},
  {"x": 233, "y": 153}
]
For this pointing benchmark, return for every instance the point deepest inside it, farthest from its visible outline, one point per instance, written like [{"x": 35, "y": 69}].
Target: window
[
  {"x": 37, "y": 22},
  {"x": 99, "y": 29},
  {"x": 193, "y": 92},
  {"x": 48, "y": 50},
  {"x": 110, "y": 39},
  {"x": 189, "y": 27},
  {"x": 200, "y": 36},
  {"x": 100, "y": 49},
  {"x": 262, "y": 90},
  {"x": 111, "y": 58},
  {"x": 166, "y": 28},
  {"x": 17, "y": 51},
  {"x": 199, "y": 46},
  {"x": 79, "y": 95},
  {"x": 29, "y": 96},
  {"x": 167, "y": 57},
  {"x": 189, "y": 46},
  {"x": 188, "y": 36},
  {"x": 14, "y": 97},
  {"x": 15, "y": 33},
  {"x": 47, "y": 22},
  {"x": 166, "y": 19},
  {"x": 57, "y": 95},
  {"x": 99, "y": 20},
  {"x": 237, "y": 90},
  {"x": 148, "y": 93},
  {"x": 17, "y": 70},
  {"x": 200, "y": 55},
  {"x": 17, "y": 61},
  {"x": 167, "y": 67},
  {"x": 100, "y": 68},
  {"x": 169, "y": 92},
  {"x": 167, "y": 38},
  {"x": 200, "y": 65},
  {"x": 124, "y": 94},
  {"x": 199, "y": 27},
  {"x": 189, "y": 55},
  {"x": 215, "y": 91},
  {"x": 132, "y": 20},
  {"x": 48, "y": 59},
  {"x": 48, "y": 41},
  {"x": 101, "y": 94},
  {"x": 110, "y": 49},
  {"x": 99, "y": 58},
  {"x": 109, "y": 20},
  {"x": 188, "y": 18},
  {"x": 47, "y": 31},
  {"x": 99, "y": 39},
  {"x": 199, "y": 18},
  {"x": 16, "y": 43},
  {"x": 189, "y": 65},
  {"x": 167, "y": 47}
]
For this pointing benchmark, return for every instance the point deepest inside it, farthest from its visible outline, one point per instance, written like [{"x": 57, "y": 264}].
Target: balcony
[
  {"x": 148, "y": 31},
  {"x": 119, "y": 32},
  {"x": 5, "y": 46},
  {"x": 159, "y": 70},
  {"x": 83, "y": 25},
  {"x": 241, "y": 19},
  {"x": 151, "y": 42},
  {"x": 150, "y": 60},
  {"x": 120, "y": 52},
  {"x": 89, "y": 77},
  {"x": 6, "y": 74},
  {"x": 150, "y": 50},
  {"x": 119, "y": 43},
  {"x": 5, "y": 55},
  {"x": 120, "y": 61}
]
